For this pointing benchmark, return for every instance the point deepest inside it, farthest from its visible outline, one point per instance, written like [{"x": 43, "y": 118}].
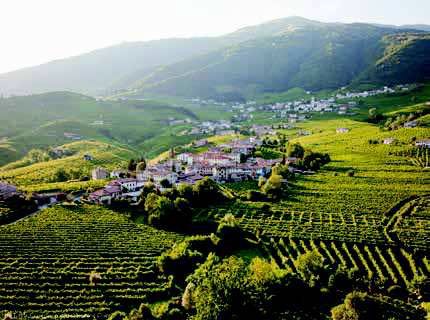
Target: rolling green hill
[
  {"x": 310, "y": 55},
  {"x": 270, "y": 57},
  {"x": 52, "y": 119},
  {"x": 103, "y": 69}
]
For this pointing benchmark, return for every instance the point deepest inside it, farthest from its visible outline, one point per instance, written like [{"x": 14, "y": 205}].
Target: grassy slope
[
  {"x": 37, "y": 176},
  {"x": 40, "y": 121}
]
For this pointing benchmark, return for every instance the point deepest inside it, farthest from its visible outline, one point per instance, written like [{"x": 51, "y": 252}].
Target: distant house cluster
[
  {"x": 220, "y": 127},
  {"x": 7, "y": 191}
]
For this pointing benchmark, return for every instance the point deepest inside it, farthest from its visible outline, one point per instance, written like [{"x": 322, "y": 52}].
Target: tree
[
  {"x": 295, "y": 150},
  {"x": 243, "y": 158},
  {"x": 186, "y": 191},
  {"x": 357, "y": 306},
  {"x": 273, "y": 186},
  {"x": 132, "y": 165},
  {"x": 165, "y": 183},
  {"x": 374, "y": 115},
  {"x": 60, "y": 175},
  {"x": 218, "y": 288},
  {"x": 310, "y": 266},
  {"x": 183, "y": 212},
  {"x": 261, "y": 181},
  {"x": 141, "y": 166},
  {"x": 207, "y": 191}
]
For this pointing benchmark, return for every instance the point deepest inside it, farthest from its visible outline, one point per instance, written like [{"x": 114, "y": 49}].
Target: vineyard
[
  {"x": 414, "y": 224},
  {"x": 38, "y": 176},
  {"x": 383, "y": 264},
  {"x": 79, "y": 263}
]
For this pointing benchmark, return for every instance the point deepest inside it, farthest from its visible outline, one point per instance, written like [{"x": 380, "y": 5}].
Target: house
[
  {"x": 190, "y": 178},
  {"x": 118, "y": 173},
  {"x": 425, "y": 143},
  {"x": 99, "y": 173},
  {"x": 7, "y": 190},
  {"x": 185, "y": 158},
  {"x": 200, "y": 143},
  {"x": 157, "y": 174},
  {"x": 73, "y": 136},
  {"x": 411, "y": 124},
  {"x": 342, "y": 130},
  {"x": 105, "y": 195},
  {"x": 88, "y": 157},
  {"x": 126, "y": 184},
  {"x": 389, "y": 140}
]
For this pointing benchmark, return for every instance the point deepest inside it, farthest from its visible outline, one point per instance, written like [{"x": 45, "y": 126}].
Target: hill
[
  {"x": 102, "y": 69},
  {"x": 52, "y": 173},
  {"x": 52, "y": 119},
  {"x": 285, "y": 53},
  {"x": 309, "y": 55}
]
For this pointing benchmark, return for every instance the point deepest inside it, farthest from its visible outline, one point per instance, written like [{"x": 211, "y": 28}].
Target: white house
[
  {"x": 411, "y": 124},
  {"x": 342, "y": 130},
  {"x": 389, "y": 140},
  {"x": 425, "y": 143},
  {"x": 185, "y": 158}
]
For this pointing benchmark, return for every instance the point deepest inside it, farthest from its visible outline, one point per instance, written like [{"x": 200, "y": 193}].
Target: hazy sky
[{"x": 37, "y": 31}]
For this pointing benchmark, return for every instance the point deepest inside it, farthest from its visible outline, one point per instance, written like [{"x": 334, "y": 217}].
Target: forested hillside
[{"x": 270, "y": 57}]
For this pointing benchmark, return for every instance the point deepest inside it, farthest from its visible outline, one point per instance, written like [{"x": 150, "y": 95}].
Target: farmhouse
[
  {"x": 342, "y": 130},
  {"x": 411, "y": 124},
  {"x": 118, "y": 173},
  {"x": 105, "y": 195},
  {"x": 87, "y": 157},
  {"x": 200, "y": 143},
  {"x": 425, "y": 143},
  {"x": 389, "y": 140}
]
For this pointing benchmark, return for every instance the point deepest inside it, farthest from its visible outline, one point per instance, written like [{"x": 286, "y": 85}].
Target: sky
[{"x": 33, "y": 32}]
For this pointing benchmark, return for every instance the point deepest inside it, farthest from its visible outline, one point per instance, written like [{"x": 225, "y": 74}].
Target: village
[
  {"x": 342, "y": 103},
  {"x": 229, "y": 162}
]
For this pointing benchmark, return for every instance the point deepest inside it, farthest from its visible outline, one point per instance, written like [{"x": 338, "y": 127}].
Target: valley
[{"x": 280, "y": 171}]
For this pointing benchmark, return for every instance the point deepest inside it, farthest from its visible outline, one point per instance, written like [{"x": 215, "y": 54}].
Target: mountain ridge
[{"x": 128, "y": 65}]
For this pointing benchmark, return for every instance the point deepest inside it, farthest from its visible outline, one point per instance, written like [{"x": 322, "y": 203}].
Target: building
[
  {"x": 87, "y": 157},
  {"x": 389, "y": 140},
  {"x": 105, "y": 195},
  {"x": 7, "y": 190},
  {"x": 99, "y": 173},
  {"x": 118, "y": 174},
  {"x": 342, "y": 130},
  {"x": 200, "y": 143},
  {"x": 411, "y": 124},
  {"x": 425, "y": 143},
  {"x": 185, "y": 158}
]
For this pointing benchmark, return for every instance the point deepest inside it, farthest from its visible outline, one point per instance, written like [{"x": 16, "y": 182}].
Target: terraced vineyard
[
  {"x": 384, "y": 264},
  {"x": 414, "y": 225},
  {"x": 79, "y": 263}
]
